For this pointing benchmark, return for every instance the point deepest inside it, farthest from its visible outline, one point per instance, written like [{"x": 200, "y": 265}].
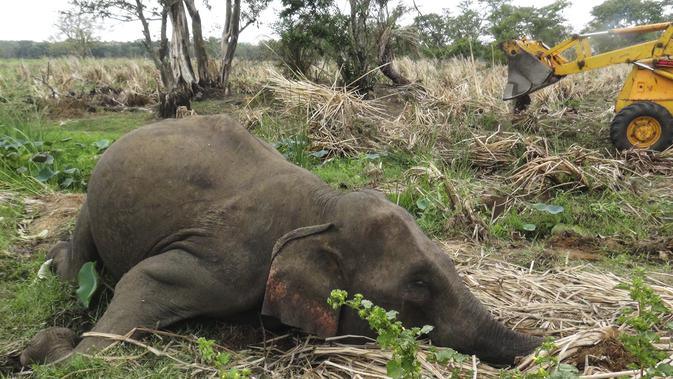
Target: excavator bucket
[{"x": 526, "y": 74}]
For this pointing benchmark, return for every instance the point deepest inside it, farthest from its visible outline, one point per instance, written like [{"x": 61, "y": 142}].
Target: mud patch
[
  {"x": 49, "y": 218},
  {"x": 608, "y": 354},
  {"x": 575, "y": 246}
]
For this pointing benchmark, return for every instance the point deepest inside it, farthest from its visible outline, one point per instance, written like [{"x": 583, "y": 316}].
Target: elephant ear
[{"x": 304, "y": 270}]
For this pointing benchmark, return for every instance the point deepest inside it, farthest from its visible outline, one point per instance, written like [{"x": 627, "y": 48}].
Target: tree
[
  {"x": 199, "y": 45},
  {"x": 78, "y": 30},
  {"x": 507, "y": 21},
  {"x": 183, "y": 83},
  {"x": 173, "y": 61},
  {"x": 358, "y": 41},
  {"x": 308, "y": 30},
  {"x": 236, "y": 20},
  {"x": 136, "y": 10},
  {"x": 433, "y": 31},
  {"x": 388, "y": 30},
  {"x": 613, "y": 14}
]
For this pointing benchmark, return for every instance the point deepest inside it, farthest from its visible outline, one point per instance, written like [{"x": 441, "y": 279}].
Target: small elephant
[{"x": 197, "y": 217}]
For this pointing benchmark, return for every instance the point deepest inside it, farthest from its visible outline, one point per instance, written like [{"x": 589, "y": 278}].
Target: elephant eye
[
  {"x": 420, "y": 283},
  {"x": 418, "y": 291}
]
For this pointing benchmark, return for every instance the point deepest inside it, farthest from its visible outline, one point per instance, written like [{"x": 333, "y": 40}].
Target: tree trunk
[
  {"x": 184, "y": 81},
  {"x": 358, "y": 56},
  {"x": 229, "y": 40},
  {"x": 158, "y": 57},
  {"x": 385, "y": 58},
  {"x": 199, "y": 46}
]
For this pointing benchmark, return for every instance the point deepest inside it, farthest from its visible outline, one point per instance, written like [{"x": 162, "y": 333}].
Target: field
[{"x": 542, "y": 217}]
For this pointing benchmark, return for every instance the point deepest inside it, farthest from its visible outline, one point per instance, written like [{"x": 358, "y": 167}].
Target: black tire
[{"x": 620, "y": 124}]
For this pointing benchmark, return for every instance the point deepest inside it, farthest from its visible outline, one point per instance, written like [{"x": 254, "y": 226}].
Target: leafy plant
[
  {"x": 88, "y": 281},
  {"x": 44, "y": 160},
  {"x": 548, "y": 365},
  {"x": 296, "y": 150},
  {"x": 644, "y": 320},
  {"x": 219, "y": 360},
  {"x": 391, "y": 333},
  {"x": 449, "y": 357}
]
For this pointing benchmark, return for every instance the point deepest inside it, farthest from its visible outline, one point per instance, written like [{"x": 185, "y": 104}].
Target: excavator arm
[{"x": 532, "y": 65}]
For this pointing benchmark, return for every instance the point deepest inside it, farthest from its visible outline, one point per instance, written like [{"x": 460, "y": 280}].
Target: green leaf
[
  {"x": 427, "y": 329},
  {"x": 66, "y": 139},
  {"x": 549, "y": 208},
  {"x": 443, "y": 356},
  {"x": 45, "y": 174},
  {"x": 565, "y": 371},
  {"x": 394, "y": 369},
  {"x": 102, "y": 144},
  {"x": 529, "y": 227},
  {"x": 43, "y": 158},
  {"x": 88, "y": 281},
  {"x": 665, "y": 369},
  {"x": 422, "y": 204},
  {"x": 372, "y": 156},
  {"x": 71, "y": 171},
  {"x": 67, "y": 182},
  {"x": 319, "y": 153}
]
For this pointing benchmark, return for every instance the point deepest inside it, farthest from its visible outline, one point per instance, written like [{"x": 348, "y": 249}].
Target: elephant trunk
[
  {"x": 480, "y": 334},
  {"x": 495, "y": 343}
]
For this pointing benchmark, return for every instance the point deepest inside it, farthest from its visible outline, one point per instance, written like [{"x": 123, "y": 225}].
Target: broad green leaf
[
  {"x": 665, "y": 369},
  {"x": 102, "y": 144},
  {"x": 43, "y": 158},
  {"x": 319, "y": 153},
  {"x": 549, "y": 208},
  {"x": 443, "y": 356},
  {"x": 66, "y": 139},
  {"x": 391, "y": 315},
  {"x": 88, "y": 283},
  {"x": 422, "y": 204},
  {"x": 394, "y": 369},
  {"x": 45, "y": 174},
  {"x": 67, "y": 182},
  {"x": 427, "y": 329},
  {"x": 529, "y": 227},
  {"x": 71, "y": 171},
  {"x": 565, "y": 371}
]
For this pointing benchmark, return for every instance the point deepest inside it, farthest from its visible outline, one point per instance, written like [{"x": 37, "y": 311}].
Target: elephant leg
[
  {"x": 69, "y": 256},
  {"x": 157, "y": 292}
]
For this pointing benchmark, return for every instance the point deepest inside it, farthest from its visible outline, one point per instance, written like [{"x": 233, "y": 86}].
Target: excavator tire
[{"x": 643, "y": 125}]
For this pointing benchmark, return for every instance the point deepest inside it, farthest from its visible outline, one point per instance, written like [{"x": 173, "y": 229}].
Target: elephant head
[{"x": 373, "y": 247}]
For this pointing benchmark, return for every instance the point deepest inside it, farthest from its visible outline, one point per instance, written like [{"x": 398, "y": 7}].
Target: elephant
[{"x": 199, "y": 218}]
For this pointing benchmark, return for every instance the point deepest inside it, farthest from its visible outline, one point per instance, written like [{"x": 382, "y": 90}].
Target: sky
[{"x": 34, "y": 19}]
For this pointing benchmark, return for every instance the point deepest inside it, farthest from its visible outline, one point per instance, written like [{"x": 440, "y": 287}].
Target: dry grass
[{"x": 336, "y": 116}]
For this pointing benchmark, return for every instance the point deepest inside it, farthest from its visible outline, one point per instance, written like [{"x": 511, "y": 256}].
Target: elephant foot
[
  {"x": 49, "y": 345},
  {"x": 61, "y": 264}
]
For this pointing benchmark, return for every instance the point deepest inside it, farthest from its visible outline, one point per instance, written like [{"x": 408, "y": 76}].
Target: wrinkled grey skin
[{"x": 187, "y": 215}]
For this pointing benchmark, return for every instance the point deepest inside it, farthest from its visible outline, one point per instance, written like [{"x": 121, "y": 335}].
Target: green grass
[
  {"x": 58, "y": 154},
  {"x": 607, "y": 214}
]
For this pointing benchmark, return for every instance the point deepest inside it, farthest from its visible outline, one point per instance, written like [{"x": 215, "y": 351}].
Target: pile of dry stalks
[
  {"x": 577, "y": 168},
  {"x": 535, "y": 170},
  {"x": 577, "y": 305},
  {"x": 339, "y": 119}
]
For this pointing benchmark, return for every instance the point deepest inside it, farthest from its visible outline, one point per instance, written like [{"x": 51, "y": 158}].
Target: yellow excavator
[{"x": 645, "y": 104}]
